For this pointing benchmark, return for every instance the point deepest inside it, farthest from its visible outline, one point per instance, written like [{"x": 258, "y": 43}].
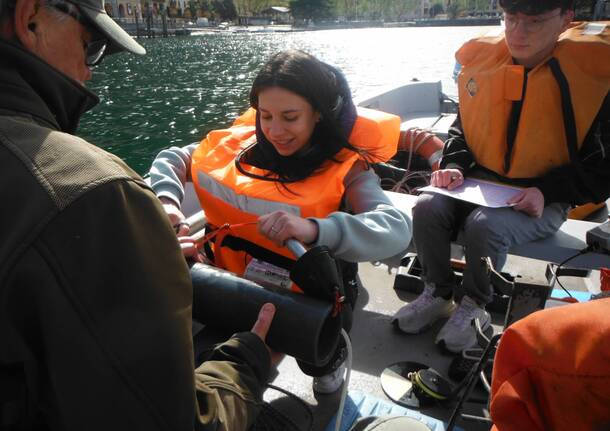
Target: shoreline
[{"x": 158, "y": 31}]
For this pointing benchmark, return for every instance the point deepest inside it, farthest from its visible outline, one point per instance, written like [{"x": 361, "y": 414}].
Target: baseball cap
[{"x": 118, "y": 39}]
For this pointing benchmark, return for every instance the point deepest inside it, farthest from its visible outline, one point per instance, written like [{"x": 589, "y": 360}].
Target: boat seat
[
  {"x": 436, "y": 123},
  {"x": 567, "y": 241}
]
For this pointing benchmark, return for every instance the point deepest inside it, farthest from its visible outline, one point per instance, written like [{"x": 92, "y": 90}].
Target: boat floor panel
[{"x": 376, "y": 344}]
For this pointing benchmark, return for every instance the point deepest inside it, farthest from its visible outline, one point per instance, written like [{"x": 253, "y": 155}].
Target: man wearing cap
[{"x": 95, "y": 296}]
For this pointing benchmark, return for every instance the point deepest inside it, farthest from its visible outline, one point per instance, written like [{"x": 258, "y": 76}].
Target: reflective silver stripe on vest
[{"x": 242, "y": 202}]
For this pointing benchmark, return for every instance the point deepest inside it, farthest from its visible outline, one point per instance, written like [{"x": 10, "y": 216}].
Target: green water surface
[{"x": 186, "y": 86}]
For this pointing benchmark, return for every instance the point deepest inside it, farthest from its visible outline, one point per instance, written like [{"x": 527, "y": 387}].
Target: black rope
[
  {"x": 450, "y": 99},
  {"x": 583, "y": 251},
  {"x": 271, "y": 419}
]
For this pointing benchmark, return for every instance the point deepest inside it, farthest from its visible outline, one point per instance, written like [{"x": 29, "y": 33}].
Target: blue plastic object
[
  {"x": 580, "y": 295},
  {"x": 359, "y": 405}
]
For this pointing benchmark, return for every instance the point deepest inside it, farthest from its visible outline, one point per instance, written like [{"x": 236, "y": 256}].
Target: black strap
[
  {"x": 569, "y": 122},
  {"x": 348, "y": 270},
  {"x": 513, "y": 127},
  {"x": 256, "y": 251}
]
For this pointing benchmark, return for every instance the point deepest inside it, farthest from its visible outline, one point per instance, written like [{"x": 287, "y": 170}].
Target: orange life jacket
[
  {"x": 489, "y": 82},
  {"x": 228, "y": 196},
  {"x": 551, "y": 371}
]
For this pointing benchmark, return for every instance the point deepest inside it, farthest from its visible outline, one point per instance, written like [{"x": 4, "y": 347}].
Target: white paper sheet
[{"x": 479, "y": 192}]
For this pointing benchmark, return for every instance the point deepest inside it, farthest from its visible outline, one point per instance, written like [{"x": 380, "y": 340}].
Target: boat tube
[
  {"x": 304, "y": 327},
  {"x": 423, "y": 143}
]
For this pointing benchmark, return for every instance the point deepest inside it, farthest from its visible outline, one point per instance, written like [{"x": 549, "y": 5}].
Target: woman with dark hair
[{"x": 296, "y": 166}]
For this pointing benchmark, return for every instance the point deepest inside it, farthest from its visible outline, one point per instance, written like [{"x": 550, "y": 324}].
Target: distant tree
[
  {"x": 584, "y": 8},
  {"x": 206, "y": 8},
  {"x": 225, "y": 9},
  {"x": 400, "y": 10},
  {"x": 193, "y": 6},
  {"x": 312, "y": 9},
  {"x": 435, "y": 9},
  {"x": 454, "y": 10}
]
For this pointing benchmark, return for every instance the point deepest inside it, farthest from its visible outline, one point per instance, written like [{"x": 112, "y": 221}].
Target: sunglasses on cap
[{"x": 94, "y": 49}]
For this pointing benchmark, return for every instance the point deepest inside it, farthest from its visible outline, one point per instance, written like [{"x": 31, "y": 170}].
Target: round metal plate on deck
[{"x": 396, "y": 384}]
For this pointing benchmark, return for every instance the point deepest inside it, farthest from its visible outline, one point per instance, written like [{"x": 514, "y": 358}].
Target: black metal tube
[{"x": 303, "y": 327}]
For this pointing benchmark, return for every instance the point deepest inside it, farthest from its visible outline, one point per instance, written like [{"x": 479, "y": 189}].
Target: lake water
[{"x": 187, "y": 86}]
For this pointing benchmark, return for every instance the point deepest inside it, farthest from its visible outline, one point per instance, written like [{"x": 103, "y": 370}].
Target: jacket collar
[{"x": 32, "y": 87}]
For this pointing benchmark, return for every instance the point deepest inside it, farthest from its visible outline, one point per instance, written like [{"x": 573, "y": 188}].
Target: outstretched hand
[
  {"x": 530, "y": 201},
  {"x": 175, "y": 215},
  {"x": 178, "y": 221},
  {"x": 280, "y": 226},
  {"x": 447, "y": 178},
  {"x": 261, "y": 328}
]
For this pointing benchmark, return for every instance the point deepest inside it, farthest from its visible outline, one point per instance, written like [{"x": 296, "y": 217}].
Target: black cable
[
  {"x": 446, "y": 97},
  {"x": 580, "y": 252},
  {"x": 271, "y": 419},
  {"x": 564, "y": 289}
]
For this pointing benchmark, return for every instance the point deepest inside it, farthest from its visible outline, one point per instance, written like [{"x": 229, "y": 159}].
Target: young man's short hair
[{"x": 535, "y": 7}]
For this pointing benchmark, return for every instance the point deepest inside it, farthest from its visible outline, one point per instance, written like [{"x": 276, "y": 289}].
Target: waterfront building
[
  {"x": 278, "y": 14},
  {"x": 127, "y": 9},
  {"x": 271, "y": 15}
]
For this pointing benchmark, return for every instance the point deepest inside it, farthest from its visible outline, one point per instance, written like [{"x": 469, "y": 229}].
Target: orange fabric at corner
[{"x": 552, "y": 371}]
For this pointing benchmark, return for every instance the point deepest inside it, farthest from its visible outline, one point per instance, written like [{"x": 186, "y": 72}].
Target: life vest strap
[
  {"x": 225, "y": 236},
  {"x": 566, "y": 106}
]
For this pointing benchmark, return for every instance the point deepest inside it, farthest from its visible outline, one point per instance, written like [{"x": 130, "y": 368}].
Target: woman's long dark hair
[{"x": 326, "y": 90}]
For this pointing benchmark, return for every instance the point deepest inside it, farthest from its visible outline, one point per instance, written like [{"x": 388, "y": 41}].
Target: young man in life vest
[{"x": 534, "y": 112}]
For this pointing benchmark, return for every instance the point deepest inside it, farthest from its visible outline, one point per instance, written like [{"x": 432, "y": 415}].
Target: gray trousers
[{"x": 487, "y": 232}]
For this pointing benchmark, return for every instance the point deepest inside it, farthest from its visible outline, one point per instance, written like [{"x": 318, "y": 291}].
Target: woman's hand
[
  {"x": 189, "y": 249},
  {"x": 530, "y": 201},
  {"x": 447, "y": 178},
  {"x": 280, "y": 226},
  {"x": 178, "y": 221},
  {"x": 176, "y": 217}
]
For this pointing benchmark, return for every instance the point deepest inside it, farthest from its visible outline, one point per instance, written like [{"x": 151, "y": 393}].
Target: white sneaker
[
  {"x": 459, "y": 333},
  {"x": 423, "y": 312},
  {"x": 329, "y": 383}
]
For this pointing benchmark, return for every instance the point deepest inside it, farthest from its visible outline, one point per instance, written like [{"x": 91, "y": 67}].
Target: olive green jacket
[{"x": 95, "y": 296}]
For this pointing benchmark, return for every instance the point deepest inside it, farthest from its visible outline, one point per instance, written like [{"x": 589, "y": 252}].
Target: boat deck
[{"x": 376, "y": 345}]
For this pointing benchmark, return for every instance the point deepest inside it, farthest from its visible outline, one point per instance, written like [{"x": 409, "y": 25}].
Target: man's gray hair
[{"x": 59, "y": 16}]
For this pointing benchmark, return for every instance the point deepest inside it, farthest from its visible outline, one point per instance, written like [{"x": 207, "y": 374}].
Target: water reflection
[{"x": 187, "y": 86}]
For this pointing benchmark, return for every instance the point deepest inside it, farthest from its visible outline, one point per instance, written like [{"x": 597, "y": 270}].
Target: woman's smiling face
[{"x": 287, "y": 119}]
